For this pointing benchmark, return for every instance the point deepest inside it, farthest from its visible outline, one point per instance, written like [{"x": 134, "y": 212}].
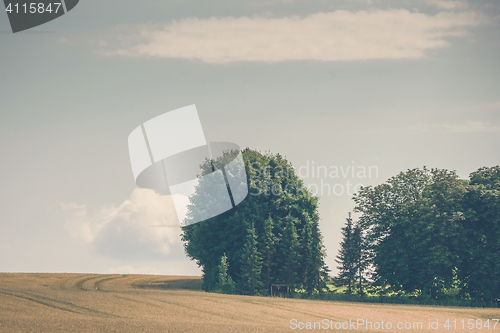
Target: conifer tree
[
  {"x": 347, "y": 255},
  {"x": 360, "y": 255},
  {"x": 225, "y": 283},
  {"x": 306, "y": 255},
  {"x": 318, "y": 271},
  {"x": 252, "y": 264},
  {"x": 268, "y": 252},
  {"x": 289, "y": 248}
]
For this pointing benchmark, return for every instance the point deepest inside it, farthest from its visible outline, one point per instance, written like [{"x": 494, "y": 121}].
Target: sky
[{"x": 343, "y": 84}]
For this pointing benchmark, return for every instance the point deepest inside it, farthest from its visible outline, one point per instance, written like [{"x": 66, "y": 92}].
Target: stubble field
[{"x": 152, "y": 303}]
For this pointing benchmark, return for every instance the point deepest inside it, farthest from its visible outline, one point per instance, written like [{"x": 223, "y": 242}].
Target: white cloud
[
  {"x": 466, "y": 127},
  {"x": 126, "y": 231},
  {"x": 339, "y": 35},
  {"x": 448, "y": 4}
]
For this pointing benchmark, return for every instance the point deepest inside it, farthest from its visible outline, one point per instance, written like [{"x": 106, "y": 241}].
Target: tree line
[{"x": 427, "y": 233}]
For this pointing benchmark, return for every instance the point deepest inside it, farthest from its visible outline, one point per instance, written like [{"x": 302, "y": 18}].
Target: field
[{"x": 149, "y": 303}]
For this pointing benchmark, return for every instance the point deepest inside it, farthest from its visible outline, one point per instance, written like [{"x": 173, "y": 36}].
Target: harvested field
[{"x": 152, "y": 303}]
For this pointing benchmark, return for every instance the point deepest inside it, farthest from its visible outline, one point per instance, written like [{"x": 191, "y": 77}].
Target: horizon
[{"x": 389, "y": 84}]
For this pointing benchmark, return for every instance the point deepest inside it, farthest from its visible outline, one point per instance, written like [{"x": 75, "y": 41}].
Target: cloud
[
  {"x": 447, "y": 4},
  {"x": 126, "y": 231},
  {"x": 466, "y": 127},
  {"x": 339, "y": 35}
]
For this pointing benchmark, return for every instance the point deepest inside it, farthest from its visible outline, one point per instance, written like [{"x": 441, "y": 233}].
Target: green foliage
[
  {"x": 288, "y": 248},
  {"x": 384, "y": 295},
  {"x": 352, "y": 255},
  {"x": 433, "y": 234},
  {"x": 268, "y": 251},
  {"x": 316, "y": 273},
  {"x": 225, "y": 283},
  {"x": 263, "y": 236},
  {"x": 251, "y": 265},
  {"x": 347, "y": 257},
  {"x": 480, "y": 265}
]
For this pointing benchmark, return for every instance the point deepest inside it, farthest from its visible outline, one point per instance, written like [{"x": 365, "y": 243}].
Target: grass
[{"x": 386, "y": 296}]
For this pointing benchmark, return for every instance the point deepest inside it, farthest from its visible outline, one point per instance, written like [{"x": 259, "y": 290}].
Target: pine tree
[
  {"x": 289, "y": 248},
  {"x": 268, "y": 252},
  {"x": 225, "y": 283},
  {"x": 347, "y": 255},
  {"x": 307, "y": 260},
  {"x": 360, "y": 255},
  {"x": 318, "y": 273},
  {"x": 314, "y": 271},
  {"x": 252, "y": 264}
]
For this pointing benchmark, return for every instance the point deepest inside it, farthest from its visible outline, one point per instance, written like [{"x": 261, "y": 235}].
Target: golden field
[{"x": 153, "y": 303}]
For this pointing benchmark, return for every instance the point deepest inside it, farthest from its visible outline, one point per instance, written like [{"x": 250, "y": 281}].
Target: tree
[
  {"x": 225, "y": 283},
  {"x": 428, "y": 231},
  {"x": 275, "y": 213},
  {"x": 316, "y": 270},
  {"x": 268, "y": 251},
  {"x": 360, "y": 253},
  {"x": 288, "y": 249},
  {"x": 347, "y": 255},
  {"x": 413, "y": 224},
  {"x": 252, "y": 264},
  {"x": 480, "y": 264},
  {"x": 306, "y": 254}
]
